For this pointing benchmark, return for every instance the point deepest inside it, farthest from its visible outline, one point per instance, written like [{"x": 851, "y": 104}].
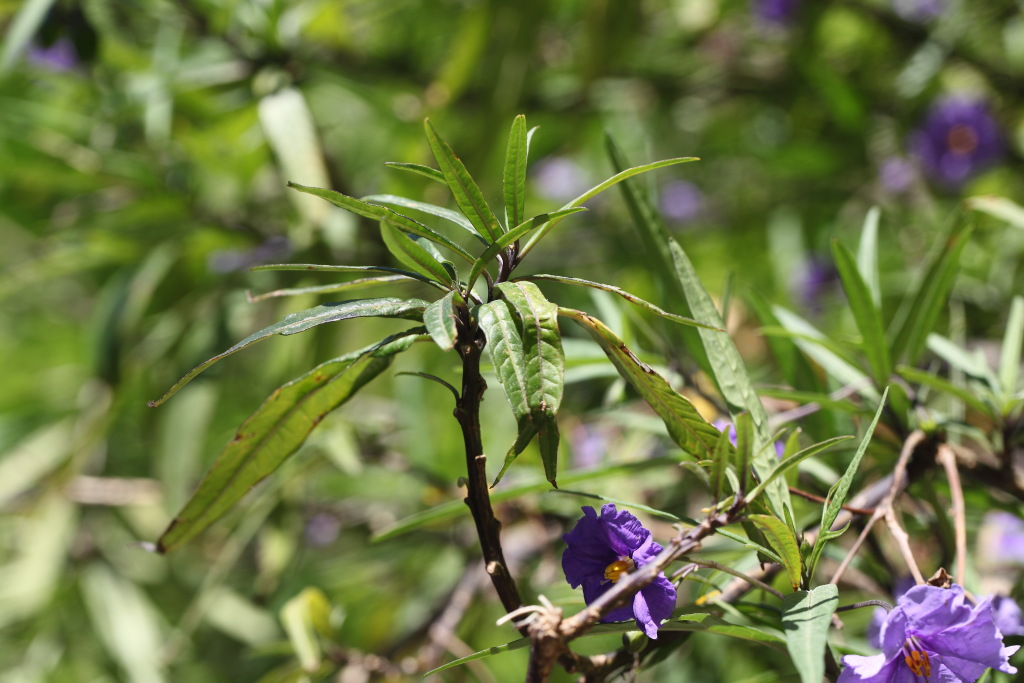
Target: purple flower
[
  {"x": 932, "y": 635},
  {"x": 919, "y": 11},
  {"x": 724, "y": 425},
  {"x": 777, "y": 12},
  {"x": 559, "y": 179},
  {"x": 1007, "y": 615},
  {"x": 681, "y": 201},
  {"x": 896, "y": 174},
  {"x": 958, "y": 139},
  {"x": 812, "y": 281},
  {"x": 601, "y": 549},
  {"x": 1001, "y": 541}
]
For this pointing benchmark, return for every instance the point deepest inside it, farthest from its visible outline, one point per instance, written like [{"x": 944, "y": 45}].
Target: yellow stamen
[
  {"x": 616, "y": 569},
  {"x": 916, "y": 658}
]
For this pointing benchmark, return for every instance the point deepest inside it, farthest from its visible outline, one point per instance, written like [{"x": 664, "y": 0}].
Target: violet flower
[
  {"x": 958, "y": 139},
  {"x": 932, "y": 635},
  {"x": 777, "y": 12},
  {"x": 601, "y": 549},
  {"x": 681, "y": 201}
]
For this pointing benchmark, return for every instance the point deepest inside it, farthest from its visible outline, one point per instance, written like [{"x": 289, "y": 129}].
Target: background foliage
[{"x": 144, "y": 155}]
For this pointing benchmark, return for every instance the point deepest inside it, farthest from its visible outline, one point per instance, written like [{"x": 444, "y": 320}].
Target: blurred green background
[{"x": 144, "y": 151}]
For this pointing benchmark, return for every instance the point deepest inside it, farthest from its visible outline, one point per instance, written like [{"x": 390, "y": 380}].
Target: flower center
[
  {"x": 916, "y": 658},
  {"x": 962, "y": 139},
  {"x": 616, "y": 569}
]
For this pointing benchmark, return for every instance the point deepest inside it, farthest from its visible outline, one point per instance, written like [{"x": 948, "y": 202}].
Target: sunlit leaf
[
  {"x": 388, "y": 307},
  {"x": 545, "y": 367},
  {"x": 865, "y": 312},
  {"x": 514, "y": 184},
  {"x": 418, "y": 169},
  {"x": 685, "y": 425},
  {"x": 837, "y": 494},
  {"x": 416, "y": 256},
  {"x": 783, "y": 541},
  {"x": 275, "y": 431},
  {"x": 806, "y": 618},
  {"x": 432, "y": 209},
  {"x": 439, "y": 319},
  {"x": 467, "y": 195}
]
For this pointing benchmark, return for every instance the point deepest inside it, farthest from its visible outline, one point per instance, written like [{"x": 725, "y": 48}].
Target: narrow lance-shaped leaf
[
  {"x": 439, "y": 319},
  {"x": 791, "y": 461},
  {"x": 389, "y": 307},
  {"x": 865, "y": 313},
  {"x": 688, "y": 429},
  {"x": 783, "y": 541},
  {"x": 514, "y": 184},
  {"x": 598, "y": 189},
  {"x": 545, "y": 366},
  {"x": 1010, "y": 354},
  {"x": 418, "y": 169},
  {"x": 383, "y": 213},
  {"x": 361, "y": 283},
  {"x": 319, "y": 268},
  {"x": 655, "y": 235},
  {"x": 632, "y": 298},
  {"x": 837, "y": 495},
  {"x": 275, "y": 431},
  {"x": 511, "y": 236},
  {"x": 806, "y": 618},
  {"x": 867, "y": 256},
  {"x": 730, "y": 373},
  {"x": 445, "y": 213},
  {"x": 415, "y": 255},
  {"x": 467, "y": 195},
  {"x": 917, "y": 316}
]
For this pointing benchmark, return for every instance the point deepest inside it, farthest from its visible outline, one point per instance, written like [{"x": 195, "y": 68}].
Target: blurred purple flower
[
  {"x": 1007, "y": 615},
  {"x": 60, "y": 56},
  {"x": 811, "y": 281},
  {"x": 601, "y": 549},
  {"x": 588, "y": 446},
  {"x": 726, "y": 426},
  {"x": 896, "y": 174},
  {"x": 919, "y": 11},
  {"x": 777, "y": 12},
  {"x": 958, "y": 139},
  {"x": 681, "y": 201},
  {"x": 322, "y": 529},
  {"x": 1002, "y": 538},
  {"x": 932, "y": 635},
  {"x": 559, "y": 179}
]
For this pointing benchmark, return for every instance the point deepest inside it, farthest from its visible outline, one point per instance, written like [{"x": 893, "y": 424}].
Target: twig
[
  {"x": 947, "y": 459},
  {"x": 729, "y": 570},
  {"x": 884, "y": 509}
]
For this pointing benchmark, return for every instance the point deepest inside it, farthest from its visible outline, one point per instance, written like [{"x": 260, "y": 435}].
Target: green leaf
[
  {"x": 998, "y": 207},
  {"x": 598, "y": 189},
  {"x": 439, "y": 319},
  {"x": 511, "y": 236},
  {"x": 467, "y": 195},
  {"x": 632, "y": 298},
  {"x": 916, "y": 376},
  {"x": 1010, "y": 354},
  {"x": 783, "y": 541},
  {"x": 545, "y": 367},
  {"x": 503, "y": 331},
  {"x": 317, "y": 268},
  {"x": 419, "y": 169},
  {"x": 388, "y": 307},
  {"x": 730, "y": 374},
  {"x": 688, "y": 429},
  {"x": 385, "y": 214},
  {"x": 806, "y": 618},
  {"x": 794, "y": 460},
  {"x": 920, "y": 311},
  {"x": 974, "y": 364},
  {"x": 629, "y": 504},
  {"x": 514, "y": 184},
  {"x": 275, "y": 431},
  {"x": 816, "y": 345},
  {"x": 655, "y": 235},
  {"x": 431, "y": 209},
  {"x": 867, "y": 256},
  {"x": 865, "y": 313},
  {"x": 837, "y": 494},
  {"x": 304, "y": 617},
  {"x": 22, "y": 29},
  {"x": 720, "y": 462},
  {"x": 411, "y": 253},
  {"x": 457, "y": 508},
  {"x": 361, "y": 283}
]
